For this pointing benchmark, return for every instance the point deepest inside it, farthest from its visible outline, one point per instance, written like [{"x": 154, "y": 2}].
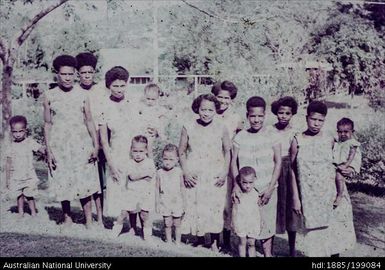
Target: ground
[{"x": 36, "y": 236}]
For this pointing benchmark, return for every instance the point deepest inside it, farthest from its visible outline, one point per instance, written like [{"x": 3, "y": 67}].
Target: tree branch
[
  {"x": 209, "y": 14},
  {"x": 23, "y": 34}
]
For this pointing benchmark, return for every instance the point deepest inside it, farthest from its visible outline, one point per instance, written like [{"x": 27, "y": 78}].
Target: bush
[{"x": 372, "y": 139}]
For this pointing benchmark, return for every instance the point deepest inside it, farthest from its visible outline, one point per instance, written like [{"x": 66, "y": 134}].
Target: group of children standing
[{"x": 254, "y": 181}]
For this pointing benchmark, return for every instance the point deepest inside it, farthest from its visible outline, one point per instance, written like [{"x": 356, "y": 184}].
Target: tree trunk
[{"x": 6, "y": 97}]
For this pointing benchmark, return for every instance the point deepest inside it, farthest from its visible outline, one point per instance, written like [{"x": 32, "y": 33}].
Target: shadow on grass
[{"x": 368, "y": 189}]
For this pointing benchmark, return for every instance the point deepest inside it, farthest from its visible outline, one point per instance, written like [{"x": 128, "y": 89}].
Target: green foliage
[{"x": 372, "y": 139}]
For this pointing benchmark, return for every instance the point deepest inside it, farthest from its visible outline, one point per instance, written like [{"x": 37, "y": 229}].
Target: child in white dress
[
  {"x": 21, "y": 178},
  {"x": 170, "y": 192},
  {"x": 140, "y": 185},
  {"x": 246, "y": 218},
  {"x": 346, "y": 153}
]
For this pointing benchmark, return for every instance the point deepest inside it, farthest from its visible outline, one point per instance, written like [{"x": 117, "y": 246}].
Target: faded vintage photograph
[{"x": 192, "y": 128}]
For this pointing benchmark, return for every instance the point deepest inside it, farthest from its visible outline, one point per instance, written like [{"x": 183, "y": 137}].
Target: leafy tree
[{"x": 11, "y": 42}]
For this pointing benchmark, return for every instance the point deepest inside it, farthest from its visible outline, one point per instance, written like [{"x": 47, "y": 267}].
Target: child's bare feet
[
  {"x": 337, "y": 201},
  {"x": 214, "y": 247},
  {"x": 68, "y": 220},
  {"x": 117, "y": 229}
]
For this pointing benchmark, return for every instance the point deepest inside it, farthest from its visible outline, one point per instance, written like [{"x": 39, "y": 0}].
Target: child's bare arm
[{"x": 8, "y": 167}]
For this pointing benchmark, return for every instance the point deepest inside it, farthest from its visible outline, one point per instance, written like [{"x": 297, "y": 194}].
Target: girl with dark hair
[{"x": 205, "y": 167}]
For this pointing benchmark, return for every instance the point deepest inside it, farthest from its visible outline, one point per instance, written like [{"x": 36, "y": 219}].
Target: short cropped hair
[
  {"x": 345, "y": 121},
  {"x": 139, "y": 139},
  {"x": 86, "y": 59},
  {"x": 116, "y": 73},
  {"x": 64, "y": 60},
  {"x": 285, "y": 102},
  {"x": 226, "y": 86},
  {"x": 170, "y": 148},
  {"x": 210, "y": 97},
  {"x": 255, "y": 102},
  {"x": 247, "y": 170},
  {"x": 317, "y": 107},
  {"x": 18, "y": 119},
  {"x": 152, "y": 86}
]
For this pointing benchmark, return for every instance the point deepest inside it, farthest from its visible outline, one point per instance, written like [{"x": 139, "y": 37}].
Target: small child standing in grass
[
  {"x": 346, "y": 154},
  {"x": 140, "y": 197},
  {"x": 21, "y": 178},
  {"x": 246, "y": 218},
  {"x": 170, "y": 192}
]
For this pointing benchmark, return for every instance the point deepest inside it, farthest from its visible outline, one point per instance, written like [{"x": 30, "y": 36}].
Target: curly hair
[
  {"x": 64, "y": 60},
  {"x": 18, "y": 119},
  {"x": 116, "y": 73},
  {"x": 170, "y": 148},
  {"x": 86, "y": 59},
  {"x": 255, "y": 102},
  {"x": 210, "y": 97},
  {"x": 317, "y": 107},
  {"x": 226, "y": 86},
  {"x": 345, "y": 121},
  {"x": 285, "y": 102}
]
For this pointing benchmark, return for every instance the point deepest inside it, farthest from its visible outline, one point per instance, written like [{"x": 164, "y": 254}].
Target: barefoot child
[
  {"x": 346, "y": 154},
  {"x": 170, "y": 192},
  {"x": 259, "y": 148},
  {"x": 140, "y": 184},
  {"x": 21, "y": 179},
  {"x": 246, "y": 218}
]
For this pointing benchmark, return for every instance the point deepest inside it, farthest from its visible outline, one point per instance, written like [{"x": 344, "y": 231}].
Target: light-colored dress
[
  {"x": 256, "y": 151},
  {"x": 71, "y": 145},
  {"x": 341, "y": 153},
  {"x": 231, "y": 120},
  {"x": 140, "y": 193},
  {"x": 342, "y": 233},
  {"x": 327, "y": 231},
  {"x": 170, "y": 192},
  {"x": 287, "y": 220},
  {"x": 205, "y": 202},
  {"x": 23, "y": 179},
  {"x": 98, "y": 95},
  {"x": 117, "y": 117},
  {"x": 246, "y": 215}
]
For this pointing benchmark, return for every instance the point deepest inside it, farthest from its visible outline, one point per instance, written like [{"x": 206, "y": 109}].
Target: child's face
[
  {"x": 151, "y": 97},
  {"x": 224, "y": 99},
  {"x": 170, "y": 159},
  {"x": 86, "y": 75},
  {"x": 138, "y": 151},
  {"x": 118, "y": 88},
  {"x": 345, "y": 132},
  {"x": 315, "y": 121},
  {"x": 19, "y": 132},
  {"x": 256, "y": 117},
  {"x": 284, "y": 115},
  {"x": 247, "y": 182},
  {"x": 207, "y": 111},
  {"x": 65, "y": 76}
]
